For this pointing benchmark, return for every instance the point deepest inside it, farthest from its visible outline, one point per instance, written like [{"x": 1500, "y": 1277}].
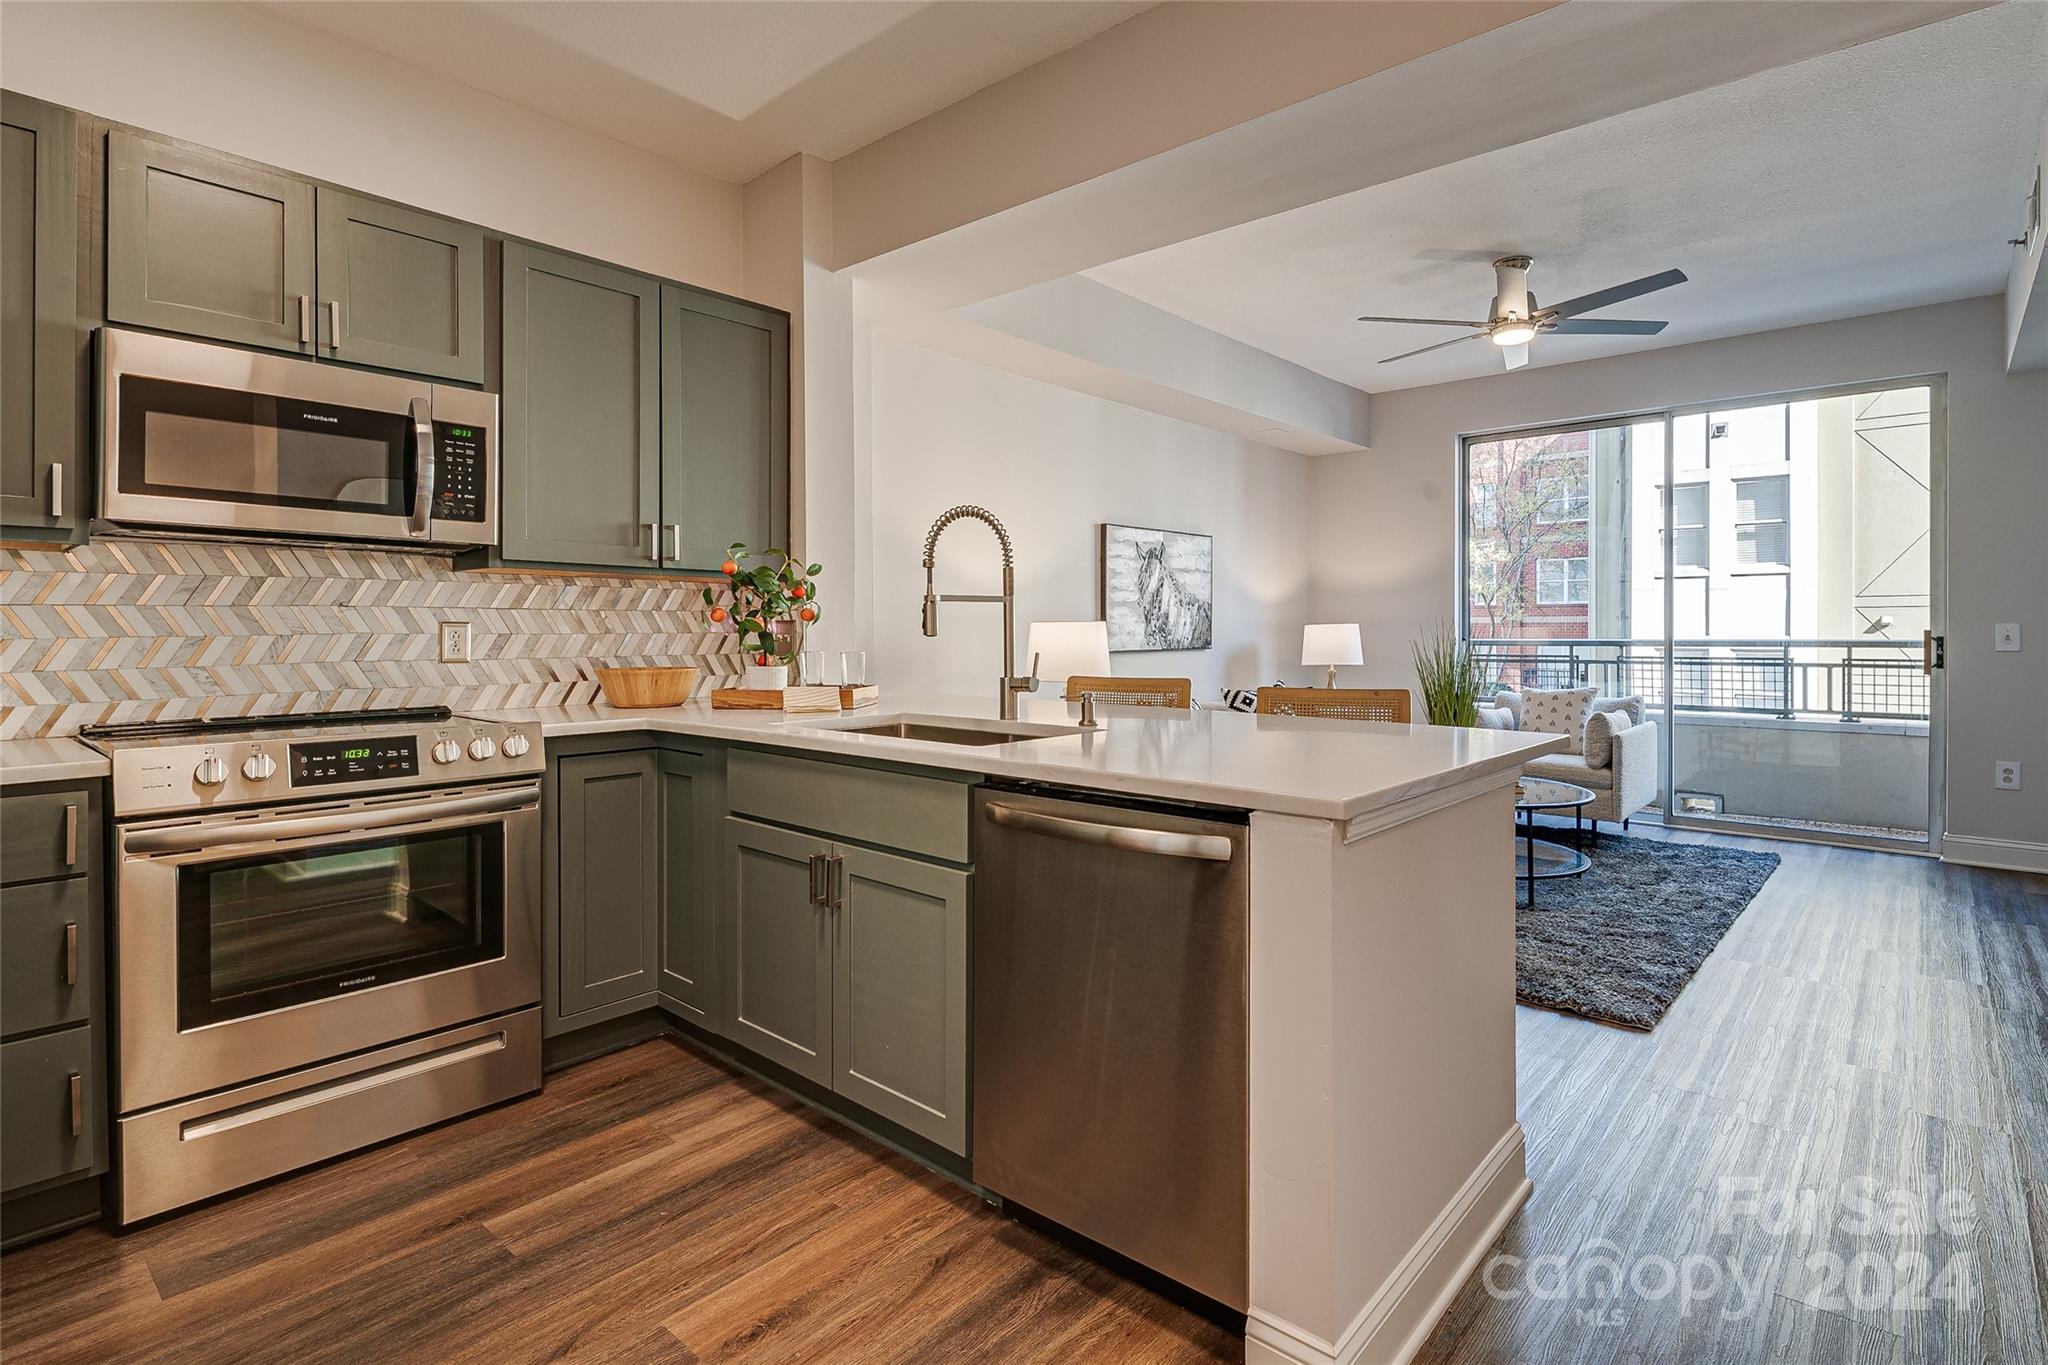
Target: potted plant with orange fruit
[{"x": 774, "y": 599}]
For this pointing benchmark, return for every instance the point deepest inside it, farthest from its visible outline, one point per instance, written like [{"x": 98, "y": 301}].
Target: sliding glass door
[{"x": 1761, "y": 575}]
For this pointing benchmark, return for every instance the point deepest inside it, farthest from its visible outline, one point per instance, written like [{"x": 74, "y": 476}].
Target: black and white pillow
[{"x": 1243, "y": 698}]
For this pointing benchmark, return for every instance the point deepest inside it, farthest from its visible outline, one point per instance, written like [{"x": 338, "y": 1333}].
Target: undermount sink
[{"x": 946, "y": 729}]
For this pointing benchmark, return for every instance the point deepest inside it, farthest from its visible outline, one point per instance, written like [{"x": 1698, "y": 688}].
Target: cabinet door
[
  {"x": 42, "y": 475},
  {"x": 899, "y": 989},
  {"x": 48, "y": 1106},
  {"x": 724, "y": 427},
  {"x": 777, "y": 948},
  {"x": 610, "y": 893},
  {"x": 405, "y": 288},
  {"x": 200, "y": 244},
  {"x": 689, "y": 886},
  {"x": 581, "y": 412}
]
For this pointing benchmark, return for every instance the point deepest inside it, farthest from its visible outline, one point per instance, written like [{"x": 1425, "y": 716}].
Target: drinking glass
[
  {"x": 810, "y": 668},
  {"x": 853, "y": 668}
]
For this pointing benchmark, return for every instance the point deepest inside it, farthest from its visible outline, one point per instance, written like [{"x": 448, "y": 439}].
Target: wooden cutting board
[{"x": 800, "y": 700}]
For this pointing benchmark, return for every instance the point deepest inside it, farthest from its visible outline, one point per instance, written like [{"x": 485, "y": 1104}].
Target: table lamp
[
  {"x": 1063, "y": 649},
  {"x": 1330, "y": 646}
]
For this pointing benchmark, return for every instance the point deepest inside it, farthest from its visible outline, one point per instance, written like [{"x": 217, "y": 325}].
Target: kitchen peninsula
[{"x": 1384, "y": 1152}]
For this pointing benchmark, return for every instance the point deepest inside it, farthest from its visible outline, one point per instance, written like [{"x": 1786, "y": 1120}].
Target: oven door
[
  {"x": 254, "y": 943},
  {"x": 227, "y": 440}
]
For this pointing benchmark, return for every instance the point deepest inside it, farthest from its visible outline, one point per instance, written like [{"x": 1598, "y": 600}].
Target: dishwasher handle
[{"x": 1215, "y": 848}]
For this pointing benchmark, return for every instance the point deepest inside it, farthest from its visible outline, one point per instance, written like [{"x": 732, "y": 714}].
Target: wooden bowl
[{"x": 639, "y": 687}]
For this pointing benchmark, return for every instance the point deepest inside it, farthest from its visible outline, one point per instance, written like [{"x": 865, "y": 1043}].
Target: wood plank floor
[{"x": 1869, "y": 1016}]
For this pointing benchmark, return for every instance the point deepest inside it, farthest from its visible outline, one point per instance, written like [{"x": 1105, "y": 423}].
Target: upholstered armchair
[{"x": 1623, "y": 785}]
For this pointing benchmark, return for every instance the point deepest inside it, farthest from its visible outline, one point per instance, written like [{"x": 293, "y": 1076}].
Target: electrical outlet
[
  {"x": 455, "y": 642},
  {"x": 2005, "y": 775},
  {"x": 2008, "y": 637}
]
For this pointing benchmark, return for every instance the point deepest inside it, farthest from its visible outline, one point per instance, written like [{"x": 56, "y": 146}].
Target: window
[
  {"x": 1762, "y": 537},
  {"x": 1562, "y": 582},
  {"x": 1485, "y": 506},
  {"x": 1566, "y": 499},
  {"x": 1687, "y": 505},
  {"x": 1485, "y": 580}
]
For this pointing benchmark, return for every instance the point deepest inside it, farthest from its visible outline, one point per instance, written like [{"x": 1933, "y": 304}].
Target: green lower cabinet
[
  {"x": 899, "y": 992},
  {"x": 609, "y": 889},
  {"x": 48, "y": 1106},
  {"x": 779, "y": 946},
  {"x": 690, "y": 810}
]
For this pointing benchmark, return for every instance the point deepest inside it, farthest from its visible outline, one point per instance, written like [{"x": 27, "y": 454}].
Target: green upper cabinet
[
  {"x": 724, "y": 427},
  {"x": 581, "y": 451},
  {"x": 399, "y": 289},
  {"x": 42, "y": 471},
  {"x": 202, "y": 244}
]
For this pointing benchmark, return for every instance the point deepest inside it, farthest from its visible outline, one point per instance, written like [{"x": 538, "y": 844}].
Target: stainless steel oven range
[{"x": 326, "y": 933}]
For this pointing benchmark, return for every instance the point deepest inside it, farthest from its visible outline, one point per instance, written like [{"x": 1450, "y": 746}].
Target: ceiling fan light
[{"x": 1514, "y": 332}]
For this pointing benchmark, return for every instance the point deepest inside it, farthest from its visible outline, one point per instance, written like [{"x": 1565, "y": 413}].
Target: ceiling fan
[{"x": 1514, "y": 319}]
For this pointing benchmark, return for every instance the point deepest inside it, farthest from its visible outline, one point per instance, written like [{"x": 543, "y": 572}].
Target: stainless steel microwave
[{"x": 219, "y": 439}]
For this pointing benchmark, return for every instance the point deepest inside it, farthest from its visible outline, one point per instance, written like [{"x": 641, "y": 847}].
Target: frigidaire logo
[
  {"x": 321, "y": 417},
  {"x": 355, "y": 981}
]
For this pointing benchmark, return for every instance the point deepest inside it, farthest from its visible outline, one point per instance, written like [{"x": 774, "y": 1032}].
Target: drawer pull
[
  {"x": 71, "y": 953},
  {"x": 77, "y": 1084},
  {"x": 71, "y": 835}
]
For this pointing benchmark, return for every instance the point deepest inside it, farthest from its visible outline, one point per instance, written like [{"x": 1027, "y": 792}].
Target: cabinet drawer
[
  {"x": 926, "y": 815},
  {"x": 49, "y": 945},
  {"x": 49, "y": 834},
  {"x": 46, "y": 1107}
]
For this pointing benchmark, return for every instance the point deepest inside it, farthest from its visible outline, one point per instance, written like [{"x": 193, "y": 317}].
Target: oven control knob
[
  {"x": 516, "y": 745},
  {"x": 211, "y": 772},
  {"x": 447, "y": 751},
  {"x": 258, "y": 767},
  {"x": 482, "y": 747}
]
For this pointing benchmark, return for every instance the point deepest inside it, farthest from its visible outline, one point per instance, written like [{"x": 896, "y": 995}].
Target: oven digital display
[{"x": 315, "y": 765}]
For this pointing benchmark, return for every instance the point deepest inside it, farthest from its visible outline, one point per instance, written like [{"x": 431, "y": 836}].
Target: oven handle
[
  {"x": 193, "y": 838},
  {"x": 423, "y": 468}
]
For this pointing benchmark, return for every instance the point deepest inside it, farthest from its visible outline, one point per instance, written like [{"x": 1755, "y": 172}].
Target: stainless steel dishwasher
[{"x": 1110, "y": 944}]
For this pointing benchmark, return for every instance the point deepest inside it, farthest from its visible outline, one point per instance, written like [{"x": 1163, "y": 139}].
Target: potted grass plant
[{"x": 1448, "y": 678}]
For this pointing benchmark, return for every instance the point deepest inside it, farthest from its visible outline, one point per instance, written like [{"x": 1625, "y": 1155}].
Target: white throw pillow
[
  {"x": 1511, "y": 702},
  {"x": 1561, "y": 712},
  {"x": 1632, "y": 707},
  {"x": 1599, "y": 745},
  {"x": 1496, "y": 718}
]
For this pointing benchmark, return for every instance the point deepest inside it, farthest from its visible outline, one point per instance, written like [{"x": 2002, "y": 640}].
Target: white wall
[
  {"x": 244, "y": 80},
  {"x": 1053, "y": 464},
  {"x": 1384, "y": 523}
]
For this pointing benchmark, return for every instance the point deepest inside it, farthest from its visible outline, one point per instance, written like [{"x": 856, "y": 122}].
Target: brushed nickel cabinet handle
[
  {"x": 305, "y": 319},
  {"x": 835, "y": 882},
  {"x": 71, "y": 835},
  {"x": 71, "y": 953},
  {"x": 334, "y": 323},
  {"x": 816, "y": 859},
  {"x": 57, "y": 490},
  {"x": 654, "y": 541},
  {"x": 77, "y": 1084},
  {"x": 675, "y": 532}
]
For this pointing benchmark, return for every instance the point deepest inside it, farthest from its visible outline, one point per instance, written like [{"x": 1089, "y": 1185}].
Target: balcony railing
[{"x": 1858, "y": 679}]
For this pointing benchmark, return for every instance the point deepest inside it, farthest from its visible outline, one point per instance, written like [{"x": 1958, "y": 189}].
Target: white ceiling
[
  {"x": 1882, "y": 176},
  {"x": 728, "y": 87}
]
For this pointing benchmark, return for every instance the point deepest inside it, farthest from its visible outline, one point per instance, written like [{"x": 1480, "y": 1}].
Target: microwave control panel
[
  {"x": 354, "y": 760},
  {"x": 459, "y": 490}
]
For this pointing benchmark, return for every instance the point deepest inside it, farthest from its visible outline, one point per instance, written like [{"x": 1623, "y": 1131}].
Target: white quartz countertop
[
  {"x": 48, "y": 760},
  {"x": 1329, "y": 769}
]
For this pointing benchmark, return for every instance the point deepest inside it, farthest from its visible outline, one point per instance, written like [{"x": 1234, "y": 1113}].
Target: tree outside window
[{"x": 1526, "y": 500}]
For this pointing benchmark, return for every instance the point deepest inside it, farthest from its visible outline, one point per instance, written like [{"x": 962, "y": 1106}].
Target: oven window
[
  {"x": 280, "y": 929},
  {"x": 193, "y": 441}
]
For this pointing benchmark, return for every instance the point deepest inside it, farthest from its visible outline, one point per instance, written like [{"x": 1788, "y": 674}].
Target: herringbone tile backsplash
[{"x": 151, "y": 629}]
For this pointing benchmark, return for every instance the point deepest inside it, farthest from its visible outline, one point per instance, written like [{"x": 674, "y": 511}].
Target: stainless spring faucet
[{"x": 1010, "y": 685}]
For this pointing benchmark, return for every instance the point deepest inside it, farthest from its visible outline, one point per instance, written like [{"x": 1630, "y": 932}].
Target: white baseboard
[
  {"x": 1399, "y": 1317},
  {"x": 2011, "y": 855}
]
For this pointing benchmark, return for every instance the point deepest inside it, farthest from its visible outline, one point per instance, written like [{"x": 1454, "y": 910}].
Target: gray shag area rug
[{"x": 1619, "y": 942}]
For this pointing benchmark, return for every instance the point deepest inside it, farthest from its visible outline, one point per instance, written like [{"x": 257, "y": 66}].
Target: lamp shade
[
  {"x": 1329, "y": 645},
  {"x": 1066, "y": 648}
]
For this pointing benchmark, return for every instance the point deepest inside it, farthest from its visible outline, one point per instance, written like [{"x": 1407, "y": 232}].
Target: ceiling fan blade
[
  {"x": 1428, "y": 322},
  {"x": 1613, "y": 327},
  {"x": 1438, "y": 347},
  {"x": 1516, "y": 356},
  {"x": 1603, "y": 298}
]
